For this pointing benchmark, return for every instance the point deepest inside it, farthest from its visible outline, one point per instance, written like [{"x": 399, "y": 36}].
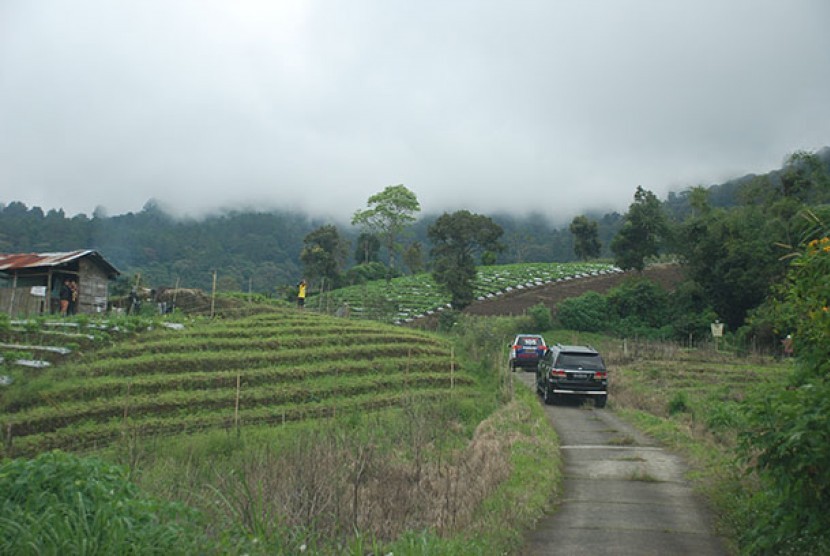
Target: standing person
[
  {"x": 134, "y": 303},
  {"x": 787, "y": 345},
  {"x": 65, "y": 297},
  {"x": 73, "y": 300},
  {"x": 301, "y": 290}
]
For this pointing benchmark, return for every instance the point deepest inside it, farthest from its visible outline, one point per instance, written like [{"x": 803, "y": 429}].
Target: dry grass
[{"x": 336, "y": 483}]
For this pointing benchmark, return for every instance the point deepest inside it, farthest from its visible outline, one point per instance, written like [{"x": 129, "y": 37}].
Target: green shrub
[
  {"x": 447, "y": 319},
  {"x": 679, "y": 403},
  {"x": 366, "y": 272},
  {"x": 60, "y": 503},
  {"x": 721, "y": 416},
  {"x": 587, "y": 313},
  {"x": 541, "y": 317},
  {"x": 642, "y": 300},
  {"x": 786, "y": 441}
]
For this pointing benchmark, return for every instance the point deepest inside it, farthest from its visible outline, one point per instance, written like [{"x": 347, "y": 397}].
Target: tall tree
[
  {"x": 644, "y": 228},
  {"x": 413, "y": 257},
  {"x": 457, "y": 238},
  {"x": 367, "y": 248},
  {"x": 586, "y": 237},
  {"x": 323, "y": 253},
  {"x": 388, "y": 213}
]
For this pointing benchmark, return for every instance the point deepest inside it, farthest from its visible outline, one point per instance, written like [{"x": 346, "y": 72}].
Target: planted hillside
[
  {"x": 285, "y": 365},
  {"x": 409, "y": 297}
]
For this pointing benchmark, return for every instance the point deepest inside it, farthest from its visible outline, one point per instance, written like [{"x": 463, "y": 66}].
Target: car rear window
[
  {"x": 530, "y": 341},
  {"x": 580, "y": 361}
]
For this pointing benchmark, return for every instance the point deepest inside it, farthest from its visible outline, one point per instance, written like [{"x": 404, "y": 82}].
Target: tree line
[
  {"x": 727, "y": 237},
  {"x": 260, "y": 251}
]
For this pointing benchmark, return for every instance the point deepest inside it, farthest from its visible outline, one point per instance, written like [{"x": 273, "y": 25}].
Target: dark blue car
[{"x": 526, "y": 350}]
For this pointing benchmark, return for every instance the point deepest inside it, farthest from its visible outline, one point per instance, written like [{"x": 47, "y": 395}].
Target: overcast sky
[{"x": 558, "y": 106}]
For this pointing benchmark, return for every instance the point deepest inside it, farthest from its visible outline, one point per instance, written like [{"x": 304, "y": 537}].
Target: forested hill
[{"x": 261, "y": 250}]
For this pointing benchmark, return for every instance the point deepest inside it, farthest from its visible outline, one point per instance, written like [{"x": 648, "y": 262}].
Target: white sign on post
[
  {"x": 717, "y": 332},
  {"x": 38, "y": 291}
]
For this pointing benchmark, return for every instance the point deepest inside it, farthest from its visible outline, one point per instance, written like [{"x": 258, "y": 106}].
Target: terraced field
[
  {"x": 283, "y": 365},
  {"x": 411, "y": 297}
]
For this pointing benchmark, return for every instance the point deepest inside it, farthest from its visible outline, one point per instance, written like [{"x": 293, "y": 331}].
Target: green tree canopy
[
  {"x": 413, "y": 257},
  {"x": 643, "y": 231},
  {"x": 388, "y": 213},
  {"x": 322, "y": 255},
  {"x": 456, "y": 239},
  {"x": 367, "y": 248},
  {"x": 586, "y": 237}
]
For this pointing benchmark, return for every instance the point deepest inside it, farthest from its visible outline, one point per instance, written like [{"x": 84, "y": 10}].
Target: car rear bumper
[
  {"x": 526, "y": 362},
  {"x": 581, "y": 392}
]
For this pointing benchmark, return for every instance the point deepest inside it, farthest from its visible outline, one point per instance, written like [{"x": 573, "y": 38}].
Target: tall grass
[
  {"x": 454, "y": 474},
  {"x": 59, "y": 503}
]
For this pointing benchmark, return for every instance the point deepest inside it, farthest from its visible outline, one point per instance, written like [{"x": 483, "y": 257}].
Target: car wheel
[
  {"x": 599, "y": 401},
  {"x": 547, "y": 395}
]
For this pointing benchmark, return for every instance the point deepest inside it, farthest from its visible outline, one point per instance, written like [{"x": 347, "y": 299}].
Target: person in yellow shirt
[{"x": 301, "y": 289}]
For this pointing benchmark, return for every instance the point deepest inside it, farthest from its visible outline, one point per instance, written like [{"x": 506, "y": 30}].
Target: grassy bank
[
  {"x": 692, "y": 400},
  {"x": 401, "y": 442}
]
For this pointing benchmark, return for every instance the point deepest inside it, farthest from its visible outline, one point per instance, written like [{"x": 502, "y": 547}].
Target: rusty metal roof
[{"x": 19, "y": 261}]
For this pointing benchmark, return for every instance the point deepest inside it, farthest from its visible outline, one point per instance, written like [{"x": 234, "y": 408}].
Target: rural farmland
[{"x": 273, "y": 368}]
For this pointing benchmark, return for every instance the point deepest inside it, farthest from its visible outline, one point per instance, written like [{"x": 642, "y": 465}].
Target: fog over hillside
[{"x": 495, "y": 106}]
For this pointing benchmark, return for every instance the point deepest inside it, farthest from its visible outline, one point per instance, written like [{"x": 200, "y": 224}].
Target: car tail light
[
  {"x": 558, "y": 372},
  {"x": 517, "y": 348},
  {"x": 601, "y": 374}
]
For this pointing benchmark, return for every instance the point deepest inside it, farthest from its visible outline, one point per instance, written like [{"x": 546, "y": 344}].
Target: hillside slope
[
  {"x": 272, "y": 368},
  {"x": 519, "y": 301}
]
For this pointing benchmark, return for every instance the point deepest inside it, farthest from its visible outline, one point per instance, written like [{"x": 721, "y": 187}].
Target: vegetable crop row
[
  {"x": 50, "y": 418},
  {"x": 310, "y": 341},
  {"x": 94, "y": 435},
  {"x": 108, "y": 386},
  {"x": 217, "y": 361}
]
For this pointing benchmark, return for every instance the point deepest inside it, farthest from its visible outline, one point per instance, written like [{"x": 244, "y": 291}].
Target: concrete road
[{"x": 623, "y": 493}]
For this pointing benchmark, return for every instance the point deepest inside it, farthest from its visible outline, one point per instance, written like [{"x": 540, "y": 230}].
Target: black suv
[{"x": 572, "y": 371}]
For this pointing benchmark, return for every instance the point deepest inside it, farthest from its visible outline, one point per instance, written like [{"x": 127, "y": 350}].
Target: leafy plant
[
  {"x": 60, "y": 503},
  {"x": 541, "y": 317},
  {"x": 679, "y": 403},
  {"x": 588, "y": 312},
  {"x": 788, "y": 430}
]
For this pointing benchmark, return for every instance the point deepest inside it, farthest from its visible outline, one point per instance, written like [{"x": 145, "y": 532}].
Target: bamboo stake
[
  {"x": 452, "y": 367},
  {"x": 11, "y": 298},
  {"x": 176, "y": 291},
  {"x": 127, "y": 402},
  {"x": 236, "y": 408},
  {"x": 213, "y": 296}
]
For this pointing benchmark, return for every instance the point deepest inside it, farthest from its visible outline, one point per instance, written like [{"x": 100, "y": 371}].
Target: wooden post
[
  {"x": 213, "y": 296},
  {"x": 11, "y": 298},
  {"x": 452, "y": 367},
  {"x": 49, "y": 292},
  {"x": 236, "y": 408},
  {"x": 176, "y": 291},
  {"x": 127, "y": 403}
]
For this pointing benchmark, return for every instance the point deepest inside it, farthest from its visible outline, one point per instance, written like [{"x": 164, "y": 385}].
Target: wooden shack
[{"x": 30, "y": 282}]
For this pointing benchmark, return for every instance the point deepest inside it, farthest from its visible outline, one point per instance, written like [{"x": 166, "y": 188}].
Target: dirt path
[{"x": 623, "y": 494}]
